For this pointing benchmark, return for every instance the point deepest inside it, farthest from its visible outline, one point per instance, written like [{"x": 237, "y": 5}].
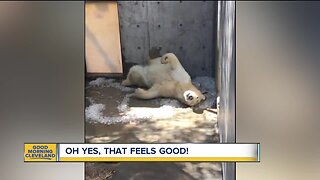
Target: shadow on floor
[{"x": 120, "y": 121}]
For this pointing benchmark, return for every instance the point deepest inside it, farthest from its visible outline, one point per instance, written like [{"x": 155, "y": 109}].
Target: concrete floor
[{"x": 118, "y": 123}]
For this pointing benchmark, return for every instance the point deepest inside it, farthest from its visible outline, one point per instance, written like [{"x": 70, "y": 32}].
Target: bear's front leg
[{"x": 146, "y": 94}]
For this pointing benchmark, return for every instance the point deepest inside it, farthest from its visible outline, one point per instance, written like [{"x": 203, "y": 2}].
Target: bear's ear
[{"x": 204, "y": 92}]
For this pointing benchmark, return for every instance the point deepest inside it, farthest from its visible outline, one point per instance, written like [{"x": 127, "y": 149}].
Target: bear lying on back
[{"x": 164, "y": 77}]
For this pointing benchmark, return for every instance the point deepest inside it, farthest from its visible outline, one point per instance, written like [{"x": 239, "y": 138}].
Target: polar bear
[{"x": 164, "y": 77}]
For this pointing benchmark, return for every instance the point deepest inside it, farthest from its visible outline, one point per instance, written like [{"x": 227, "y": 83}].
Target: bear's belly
[
  {"x": 180, "y": 75},
  {"x": 157, "y": 74}
]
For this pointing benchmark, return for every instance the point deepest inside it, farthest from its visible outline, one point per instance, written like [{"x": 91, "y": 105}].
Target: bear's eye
[
  {"x": 190, "y": 97},
  {"x": 166, "y": 58}
]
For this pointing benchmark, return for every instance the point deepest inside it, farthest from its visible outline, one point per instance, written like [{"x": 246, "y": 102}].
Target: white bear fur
[{"x": 164, "y": 77}]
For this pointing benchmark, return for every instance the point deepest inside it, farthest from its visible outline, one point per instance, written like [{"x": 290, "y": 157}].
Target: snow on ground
[
  {"x": 103, "y": 82},
  {"x": 123, "y": 106},
  {"x": 95, "y": 112}
]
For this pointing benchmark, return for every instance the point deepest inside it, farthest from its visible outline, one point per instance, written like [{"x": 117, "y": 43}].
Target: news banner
[{"x": 59, "y": 152}]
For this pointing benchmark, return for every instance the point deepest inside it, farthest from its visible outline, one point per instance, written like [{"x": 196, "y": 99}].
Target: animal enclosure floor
[{"x": 113, "y": 116}]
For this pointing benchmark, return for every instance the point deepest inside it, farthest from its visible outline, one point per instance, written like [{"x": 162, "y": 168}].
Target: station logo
[{"x": 40, "y": 152}]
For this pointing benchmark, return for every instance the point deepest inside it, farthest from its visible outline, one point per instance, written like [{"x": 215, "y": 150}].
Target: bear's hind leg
[
  {"x": 126, "y": 82},
  {"x": 170, "y": 59},
  {"x": 135, "y": 77}
]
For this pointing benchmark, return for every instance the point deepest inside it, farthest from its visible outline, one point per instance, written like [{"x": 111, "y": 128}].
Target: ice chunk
[{"x": 95, "y": 112}]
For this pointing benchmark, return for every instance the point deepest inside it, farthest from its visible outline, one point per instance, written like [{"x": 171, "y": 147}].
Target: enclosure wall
[{"x": 152, "y": 28}]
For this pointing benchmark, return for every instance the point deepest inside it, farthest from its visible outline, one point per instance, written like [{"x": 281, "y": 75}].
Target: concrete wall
[{"x": 152, "y": 28}]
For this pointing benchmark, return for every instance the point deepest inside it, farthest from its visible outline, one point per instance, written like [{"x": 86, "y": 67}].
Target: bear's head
[{"x": 192, "y": 96}]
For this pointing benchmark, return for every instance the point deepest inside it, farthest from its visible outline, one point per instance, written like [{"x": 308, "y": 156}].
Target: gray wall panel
[
  {"x": 185, "y": 28},
  {"x": 134, "y": 31}
]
